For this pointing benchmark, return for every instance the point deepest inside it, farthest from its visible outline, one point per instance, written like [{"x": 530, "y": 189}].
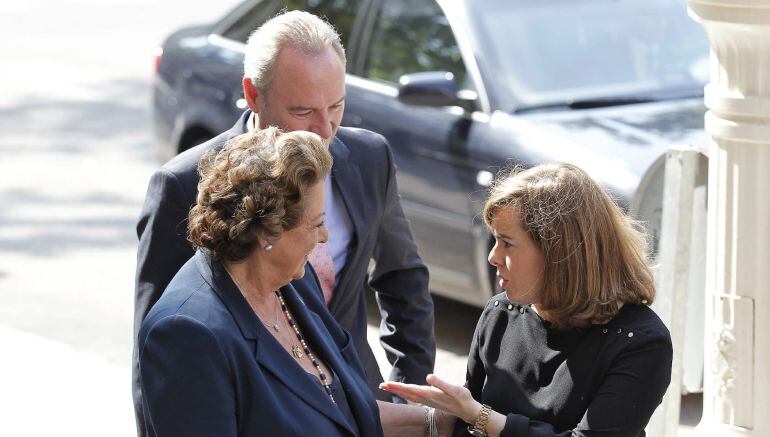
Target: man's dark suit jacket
[
  {"x": 364, "y": 173},
  {"x": 210, "y": 368}
]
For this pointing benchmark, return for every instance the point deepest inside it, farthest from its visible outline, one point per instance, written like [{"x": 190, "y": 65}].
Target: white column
[{"x": 736, "y": 398}]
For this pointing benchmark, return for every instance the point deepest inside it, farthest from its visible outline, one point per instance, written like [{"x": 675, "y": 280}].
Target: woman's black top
[
  {"x": 341, "y": 401},
  {"x": 601, "y": 380}
]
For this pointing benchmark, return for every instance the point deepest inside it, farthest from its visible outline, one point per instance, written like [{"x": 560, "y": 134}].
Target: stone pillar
[{"x": 736, "y": 399}]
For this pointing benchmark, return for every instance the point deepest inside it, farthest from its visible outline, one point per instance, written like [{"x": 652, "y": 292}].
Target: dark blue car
[{"x": 463, "y": 88}]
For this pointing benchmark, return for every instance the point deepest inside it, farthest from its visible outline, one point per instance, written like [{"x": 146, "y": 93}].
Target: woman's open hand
[{"x": 453, "y": 399}]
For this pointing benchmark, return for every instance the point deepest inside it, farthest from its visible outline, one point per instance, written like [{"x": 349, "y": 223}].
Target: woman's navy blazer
[{"x": 210, "y": 368}]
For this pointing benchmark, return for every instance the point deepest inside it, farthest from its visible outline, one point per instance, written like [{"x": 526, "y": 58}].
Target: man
[{"x": 294, "y": 78}]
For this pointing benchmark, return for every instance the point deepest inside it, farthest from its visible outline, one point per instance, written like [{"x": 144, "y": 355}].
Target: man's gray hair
[{"x": 299, "y": 30}]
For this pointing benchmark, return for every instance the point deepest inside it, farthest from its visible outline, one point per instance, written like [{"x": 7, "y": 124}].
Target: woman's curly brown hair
[
  {"x": 255, "y": 186},
  {"x": 594, "y": 253}
]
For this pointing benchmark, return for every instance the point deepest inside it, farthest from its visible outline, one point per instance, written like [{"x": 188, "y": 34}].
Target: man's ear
[{"x": 251, "y": 94}]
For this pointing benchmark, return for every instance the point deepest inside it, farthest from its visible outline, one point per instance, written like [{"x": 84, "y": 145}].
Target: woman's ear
[{"x": 264, "y": 242}]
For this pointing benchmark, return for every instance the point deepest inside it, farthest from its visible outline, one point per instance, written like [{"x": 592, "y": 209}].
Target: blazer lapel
[
  {"x": 347, "y": 179},
  {"x": 274, "y": 359},
  {"x": 269, "y": 352},
  {"x": 328, "y": 352},
  {"x": 240, "y": 126}
]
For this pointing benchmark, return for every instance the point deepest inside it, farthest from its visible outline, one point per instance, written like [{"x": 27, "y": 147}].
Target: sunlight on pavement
[{"x": 51, "y": 389}]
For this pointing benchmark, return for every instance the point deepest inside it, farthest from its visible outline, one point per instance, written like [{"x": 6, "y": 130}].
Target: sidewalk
[{"x": 50, "y": 389}]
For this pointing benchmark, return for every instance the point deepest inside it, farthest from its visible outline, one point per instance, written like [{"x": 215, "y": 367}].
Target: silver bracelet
[{"x": 430, "y": 422}]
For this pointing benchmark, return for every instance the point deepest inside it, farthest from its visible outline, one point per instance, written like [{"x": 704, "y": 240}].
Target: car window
[
  {"x": 252, "y": 18},
  {"x": 340, "y": 13},
  {"x": 412, "y": 36},
  {"x": 561, "y": 52}
]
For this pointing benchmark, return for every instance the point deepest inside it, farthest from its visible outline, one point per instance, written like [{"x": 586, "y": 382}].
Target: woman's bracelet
[
  {"x": 479, "y": 428},
  {"x": 430, "y": 422}
]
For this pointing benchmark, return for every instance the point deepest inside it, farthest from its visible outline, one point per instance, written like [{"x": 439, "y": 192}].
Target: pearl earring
[{"x": 268, "y": 248}]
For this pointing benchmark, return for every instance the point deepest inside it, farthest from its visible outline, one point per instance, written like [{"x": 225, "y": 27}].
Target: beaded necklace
[{"x": 295, "y": 350}]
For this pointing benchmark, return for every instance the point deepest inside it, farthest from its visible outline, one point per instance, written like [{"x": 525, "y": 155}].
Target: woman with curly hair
[
  {"x": 231, "y": 348},
  {"x": 570, "y": 347}
]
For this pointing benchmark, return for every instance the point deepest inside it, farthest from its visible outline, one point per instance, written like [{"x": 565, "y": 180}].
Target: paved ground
[{"x": 75, "y": 157}]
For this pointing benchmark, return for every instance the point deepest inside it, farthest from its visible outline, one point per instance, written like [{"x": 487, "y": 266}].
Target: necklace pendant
[
  {"x": 297, "y": 352},
  {"x": 275, "y": 326}
]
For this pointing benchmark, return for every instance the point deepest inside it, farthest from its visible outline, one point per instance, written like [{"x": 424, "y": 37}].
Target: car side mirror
[{"x": 435, "y": 89}]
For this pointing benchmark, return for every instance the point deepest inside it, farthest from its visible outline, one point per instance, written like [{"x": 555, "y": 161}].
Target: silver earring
[{"x": 268, "y": 248}]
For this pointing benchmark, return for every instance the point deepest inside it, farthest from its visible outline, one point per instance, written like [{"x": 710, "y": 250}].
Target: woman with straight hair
[{"x": 570, "y": 347}]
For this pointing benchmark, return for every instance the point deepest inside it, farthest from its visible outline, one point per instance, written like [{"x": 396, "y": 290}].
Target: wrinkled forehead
[
  {"x": 307, "y": 83},
  {"x": 295, "y": 69}
]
